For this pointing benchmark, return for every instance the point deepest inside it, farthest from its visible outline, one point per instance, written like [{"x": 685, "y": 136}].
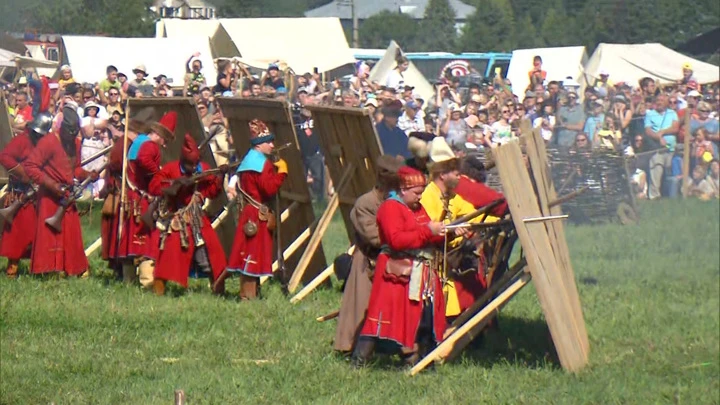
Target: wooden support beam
[
  {"x": 292, "y": 248},
  {"x": 310, "y": 287},
  {"x": 447, "y": 345},
  {"x": 93, "y": 247},
  {"x": 331, "y": 315},
  {"x": 3, "y": 191},
  {"x": 316, "y": 238}
]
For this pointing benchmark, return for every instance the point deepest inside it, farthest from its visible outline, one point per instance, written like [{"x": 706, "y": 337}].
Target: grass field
[{"x": 652, "y": 312}]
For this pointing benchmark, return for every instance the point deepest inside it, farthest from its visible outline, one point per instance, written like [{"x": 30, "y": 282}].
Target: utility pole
[{"x": 355, "y": 22}]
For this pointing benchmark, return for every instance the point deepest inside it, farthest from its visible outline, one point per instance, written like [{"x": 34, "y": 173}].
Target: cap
[
  {"x": 453, "y": 107},
  {"x": 281, "y": 90},
  {"x": 371, "y": 102},
  {"x": 694, "y": 93},
  {"x": 687, "y": 66},
  {"x": 302, "y": 90},
  {"x": 140, "y": 68},
  {"x": 604, "y": 72},
  {"x": 260, "y": 133},
  {"x": 692, "y": 84},
  {"x": 411, "y": 178},
  {"x": 476, "y": 98},
  {"x": 412, "y": 105},
  {"x": 529, "y": 94}
]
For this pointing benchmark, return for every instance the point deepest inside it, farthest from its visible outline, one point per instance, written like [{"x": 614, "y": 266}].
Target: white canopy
[
  {"x": 220, "y": 41},
  {"x": 302, "y": 43},
  {"x": 559, "y": 63},
  {"x": 630, "y": 63},
  {"x": 413, "y": 77},
  {"x": 89, "y": 56},
  {"x": 7, "y": 58}
]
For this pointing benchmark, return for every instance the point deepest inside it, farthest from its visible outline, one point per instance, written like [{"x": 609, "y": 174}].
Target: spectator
[
  {"x": 546, "y": 121},
  {"x": 116, "y": 124},
  {"x": 649, "y": 87},
  {"x": 711, "y": 125},
  {"x": 410, "y": 120},
  {"x": 140, "y": 79},
  {"x": 713, "y": 178},
  {"x": 529, "y": 103},
  {"x": 361, "y": 83},
  {"x": 582, "y": 142},
  {"x": 571, "y": 120},
  {"x": 194, "y": 79},
  {"x": 113, "y": 103},
  {"x": 454, "y": 128},
  {"x": 393, "y": 139},
  {"x": 273, "y": 78},
  {"x": 110, "y": 81},
  {"x": 225, "y": 78},
  {"x": 609, "y": 137},
  {"x": 95, "y": 137},
  {"x": 594, "y": 123},
  {"x": 351, "y": 99},
  {"x": 621, "y": 110},
  {"x": 66, "y": 78},
  {"x": 312, "y": 157},
  {"x": 501, "y": 129},
  {"x": 699, "y": 185},
  {"x": 637, "y": 123},
  {"x": 162, "y": 88},
  {"x": 537, "y": 75},
  {"x": 371, "y": 106},
  {"x": 396, "y": 78},
  {"x": 661, "y": 128},
  {"x": 23, "y": 113},
  {"x": 702, "y": 147}
]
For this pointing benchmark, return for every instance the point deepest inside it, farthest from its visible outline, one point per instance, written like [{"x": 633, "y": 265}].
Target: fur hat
[
  {"x": 387, "y": 171},
  {"x": 442, "y": 158},
  {"x": 418, "y": 143},
  {"x": 166, "y": 126},
  {"x": 260, "y": 133}
]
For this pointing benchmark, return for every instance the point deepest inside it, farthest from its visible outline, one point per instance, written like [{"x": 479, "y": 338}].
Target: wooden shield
[
  {"x": 151, "y": 109},
  {"x": 239, "y": 112},
  {"x": 5, "y": 134},
  {"x": 350, "y": 145}
]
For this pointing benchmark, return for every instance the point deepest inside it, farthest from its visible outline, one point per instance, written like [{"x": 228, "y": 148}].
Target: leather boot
[
  {"x": 363, "y": 352},
  {"x": 159, "y": 287},
  {"x": 129, "y": 272},
  {"x": 12, "y": 269},
  {"x": 145, "y": 272},
  {"x": 248, "y": 287}
]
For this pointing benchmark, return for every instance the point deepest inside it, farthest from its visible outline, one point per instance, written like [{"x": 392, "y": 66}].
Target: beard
[{"x": 450, "y": 184}]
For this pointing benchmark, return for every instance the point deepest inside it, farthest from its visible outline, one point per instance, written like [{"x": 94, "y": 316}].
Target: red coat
[
  {"x": 391, "y": 315},
  {"x": 113, "y": 178},
  {"x": 16, "y": 241},
  {"x": 480, "y": 195},
  {"x": 48, "y": 164},
  {"x": 173, "y": 262},
  {"x": 136, "y": 240},
  {"x": 252, "y": 256}
]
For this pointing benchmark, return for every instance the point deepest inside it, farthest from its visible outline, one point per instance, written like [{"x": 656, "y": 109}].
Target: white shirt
[{"x": 395, "y": 80}]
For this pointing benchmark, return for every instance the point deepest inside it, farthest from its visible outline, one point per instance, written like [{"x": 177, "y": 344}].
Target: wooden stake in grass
[{"x": 318, "y": 280}]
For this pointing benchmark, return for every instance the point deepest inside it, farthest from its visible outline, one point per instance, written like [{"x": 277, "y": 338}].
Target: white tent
[
  {"x": 7, "y": 58},
  {"x": 89, "y": 56},
  {"x": 630, "y": 63},
  {"x": 220, "y": 41},
  {"x": 559, "y": 63},
  {"x": 37, "y": 52},
  {"x": 302, "y": 43},
  {"x": 413, "y": 77}
]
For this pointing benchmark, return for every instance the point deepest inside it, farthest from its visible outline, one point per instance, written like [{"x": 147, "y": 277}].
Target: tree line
[{"x": 497, "y": 25}]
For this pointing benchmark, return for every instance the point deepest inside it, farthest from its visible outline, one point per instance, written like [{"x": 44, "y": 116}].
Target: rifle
[
  {"x": 8, "y": 214},
  {"x": 55, "y": 221}
]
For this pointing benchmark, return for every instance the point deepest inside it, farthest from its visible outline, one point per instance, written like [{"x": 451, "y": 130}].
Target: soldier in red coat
[
  {"x": 187, "y": 237},
  {"x": 16, "y": 241},
  {"x": 52, "y": 165},
  {"x": 407, "y": 306},
  {"x": 472, "y": 188},
  {"x": 137, "y": 241},
  {"x": 259, "y": 181}
]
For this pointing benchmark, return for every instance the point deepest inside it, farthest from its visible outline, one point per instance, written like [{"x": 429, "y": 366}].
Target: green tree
[
  {"x": 490, "y": 28},
  {"x": 438, "y": 27},
  {"x": 557, "y": 29},
  {"x": 526, "y": 36},
  {"x": 378, "y": 30}
]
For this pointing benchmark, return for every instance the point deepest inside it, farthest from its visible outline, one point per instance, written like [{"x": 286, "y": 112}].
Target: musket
[
  {"x": 8, "y": 213},
  {"x": 55, "y": 221}
]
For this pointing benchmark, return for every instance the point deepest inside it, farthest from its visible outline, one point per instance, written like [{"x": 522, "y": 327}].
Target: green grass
[{"x": 652, "y": 315}]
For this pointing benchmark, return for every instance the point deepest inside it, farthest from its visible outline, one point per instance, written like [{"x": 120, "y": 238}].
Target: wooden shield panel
[
  {"x": 5, "y": 133},
  {"x": 151, "y": 109},
  {"x": 349, "y": 142},
  {"x": 239, "y": 112}
]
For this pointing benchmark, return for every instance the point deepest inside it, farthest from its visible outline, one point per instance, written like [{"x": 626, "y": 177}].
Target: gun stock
[
  {"x": 148, "y": 217},
  {"x": 55, "y": 221},
  {"x": 8, "y": 214}
]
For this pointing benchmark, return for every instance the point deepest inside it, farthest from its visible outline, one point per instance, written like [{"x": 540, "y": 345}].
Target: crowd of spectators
[{"x": 644, "y": 119}]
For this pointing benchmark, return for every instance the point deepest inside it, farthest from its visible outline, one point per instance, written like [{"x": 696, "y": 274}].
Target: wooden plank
[
  {"x": 315, "y": 283},
  {"x": 544, "y": 266},
  {"x": 239, "y": 112},
  {"x": 188, "y": 121},
  {"x": 6, "y": 133},
  {"x": 540, "y": 170}
]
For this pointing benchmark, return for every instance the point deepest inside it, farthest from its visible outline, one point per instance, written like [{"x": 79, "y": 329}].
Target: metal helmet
[{"x": 41, "y": 124}]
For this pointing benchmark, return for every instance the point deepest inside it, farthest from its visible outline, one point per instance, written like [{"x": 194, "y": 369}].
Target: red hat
[
  {"x": 166, "y": 126},
  {"x": 410, "y": 178},
  {"x": 692, "y": 84},
  {"x": 259, "y": 133},
  {"x": 190, "y": 152}
]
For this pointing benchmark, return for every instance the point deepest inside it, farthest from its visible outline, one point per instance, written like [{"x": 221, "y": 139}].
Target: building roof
[{"x": 367, "y": 8}]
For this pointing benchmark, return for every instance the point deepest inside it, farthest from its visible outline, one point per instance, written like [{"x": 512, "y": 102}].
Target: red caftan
[
  {"x": 252, "y": 256},
  {"x": 174, "y": 261},
  {"x": 49, "y": 164},
  {"x": 480, "y": 195},
  {"x": 16, "y": 241},
  {"x": 109, "y": 224},
  {"x": 391, "y": 314},
  {"x": 136, "y": 240}
]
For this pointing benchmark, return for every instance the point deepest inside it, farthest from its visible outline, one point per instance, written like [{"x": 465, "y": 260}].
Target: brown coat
[{"x": 359, "y": 283}]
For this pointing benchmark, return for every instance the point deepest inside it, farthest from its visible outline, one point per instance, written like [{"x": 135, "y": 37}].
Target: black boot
[{"x": 363, "y": 352}]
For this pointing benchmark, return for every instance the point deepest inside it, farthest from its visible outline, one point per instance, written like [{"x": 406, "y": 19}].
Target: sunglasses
[
  {"x": 704, "y": 111},
  {"x": 113, "y": 94}
]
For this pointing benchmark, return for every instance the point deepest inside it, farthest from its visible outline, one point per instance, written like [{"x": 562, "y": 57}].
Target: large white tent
[
  {"x": 413, "y": 76},
  {"x": 89, "y": 56},
  {"x": 302, "y": 43},
  {"x": 559, "y": 63},
  {"x": 630, "y": 63},
  {"x": 220, "y": 41}
]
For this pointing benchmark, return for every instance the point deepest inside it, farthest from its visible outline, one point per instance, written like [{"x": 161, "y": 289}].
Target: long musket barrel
[
  {"x": 55, "y": 221},
  {"x": 96, "y": 156}
]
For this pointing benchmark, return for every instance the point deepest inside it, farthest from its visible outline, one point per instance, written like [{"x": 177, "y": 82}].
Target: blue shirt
[
  {"x": 592, "y": 125},
  {"x": 656, "y": 121},
  {"x": 394, "y": 141}
]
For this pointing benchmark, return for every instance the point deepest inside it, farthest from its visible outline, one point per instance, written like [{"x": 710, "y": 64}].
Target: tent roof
[
  {"x": 303, "y": 43},
  {"x": 89, "y": 56},
  {"x": 220, "y": 41},
  {"x": 367, "y": 8},
  {"x": 559, "y": 63},
  {"x": 630, "y": 63},
  {"x": 7, "y": 58},
  {"x": 413, "y": 76}
]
